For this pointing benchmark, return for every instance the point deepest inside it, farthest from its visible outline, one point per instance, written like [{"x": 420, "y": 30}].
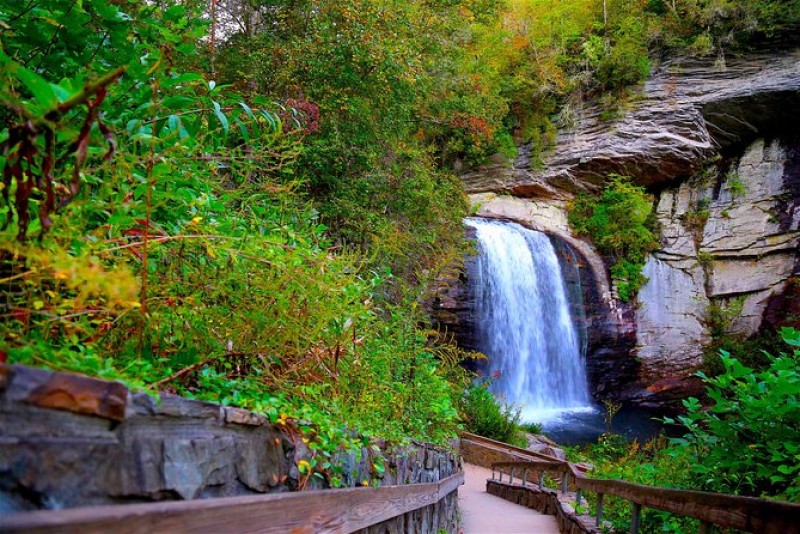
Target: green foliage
[
  {"x": 743, "y": 451},
  {"x": 752, "y": 351},
  {"x": 735, "y": 184},
  {"x": 532, "y": 428},
  {"x": 621, "y": 224},
  {"x": 731, "y": 445},
  {"x": 179, "y": 251},
  {"x": 708, "y": 25},
  {"x": 485, "y": 415},
  {"x": 653, "y": 463}
]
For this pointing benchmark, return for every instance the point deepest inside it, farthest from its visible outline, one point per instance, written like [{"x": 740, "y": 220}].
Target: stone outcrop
[
  {"x": 716, "y": 141},
  {"x": 729, "y": 239},
  {"x": 686, "y": 112},
  {"x": 69, "y": 441}
]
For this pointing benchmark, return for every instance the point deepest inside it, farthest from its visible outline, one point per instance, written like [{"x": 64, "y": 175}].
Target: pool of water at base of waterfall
[{"x": 585, "y": 425}]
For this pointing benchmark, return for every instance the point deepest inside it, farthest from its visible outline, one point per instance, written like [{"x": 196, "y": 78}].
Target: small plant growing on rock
[
  {"x": 622, "y": 224},
  {"x": 737, "y": 187}
]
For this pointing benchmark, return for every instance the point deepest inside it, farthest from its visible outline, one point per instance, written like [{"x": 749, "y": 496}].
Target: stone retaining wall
[{"x": 67, "y": 441}]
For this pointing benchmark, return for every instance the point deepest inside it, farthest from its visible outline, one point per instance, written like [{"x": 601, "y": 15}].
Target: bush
[
  {"x": 653, "y": 463},
  {"x": 532, "y": 428},
  {"x": 483, "y": 414},
  {"x": 176, "y": 250},
  {"x": 747, "y": 442},
  {"x": 621, "y": 222}
]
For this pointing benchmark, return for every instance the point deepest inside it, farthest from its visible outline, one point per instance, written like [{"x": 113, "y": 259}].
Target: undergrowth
[
  {"x": 729, "y": 446},
  {"x": 158, "y": 231}
]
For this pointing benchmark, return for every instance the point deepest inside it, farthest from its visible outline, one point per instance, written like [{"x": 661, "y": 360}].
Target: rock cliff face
[
  {"x": 729, "y": 241},
  {"x": 686, "y": 112},
  {"x": 718, "y": 144}
]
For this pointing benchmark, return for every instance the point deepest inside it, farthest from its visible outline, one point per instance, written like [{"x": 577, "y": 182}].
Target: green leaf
[
  {"x": 791, "y": 336},
  {"x": 247, "y": 110},
  {"x": 181, "y": 79},
  {"x": 221, "y": 116},
  {"x": 178, "y": 103},
  {"x": 40, "y": 88},
  {"x": 174, "y": 122},
  {"x": 243, "y": 129}
]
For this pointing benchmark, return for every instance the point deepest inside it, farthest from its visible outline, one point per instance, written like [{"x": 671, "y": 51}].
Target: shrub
[
  {"x": 747, "y": 442},
  {"x": 532, "y": 428},
  {"x": 652, "y": 463},
  {"x": 176, "y": 251},
  {"x": 483, "y": 414},
  {"x": 621, "y": 222}
]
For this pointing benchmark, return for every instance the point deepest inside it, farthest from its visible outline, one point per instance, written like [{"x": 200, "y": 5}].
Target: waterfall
[{"x": 524, "y": 324}]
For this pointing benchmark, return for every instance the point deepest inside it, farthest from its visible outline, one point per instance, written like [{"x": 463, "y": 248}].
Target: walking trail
[{"x": 482, "y": 513}]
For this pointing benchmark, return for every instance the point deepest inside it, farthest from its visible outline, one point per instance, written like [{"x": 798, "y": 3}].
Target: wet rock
[
  {"x": 670, "y": 319},
  {"x": 544, "y": 215}
]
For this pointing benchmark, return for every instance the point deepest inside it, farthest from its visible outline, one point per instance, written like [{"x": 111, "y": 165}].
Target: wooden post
[
  {"x": 565, "y": 483},
  {"x": 493, "y": 476},
  {"x": 599, "y": 509},
  {"x": 511, "y": 476},
  {"x": 524, "y": 477},
  {"x": 541, "y": 480},
  {"x": 577, "y": 499},
  {"x": 500, "y": 470},
  {"x": 636, "y": 518}
]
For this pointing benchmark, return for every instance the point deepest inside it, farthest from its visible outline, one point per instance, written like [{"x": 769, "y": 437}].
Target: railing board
[
  {"x": 499, "y": 444},
  {"x": 749, "y": 514},
  {"x": 730, "y": 511},
  {"x": 328, "y": 511},
  {"x": 532, "y": 466}
]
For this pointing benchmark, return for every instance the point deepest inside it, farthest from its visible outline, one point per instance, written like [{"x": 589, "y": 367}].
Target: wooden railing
[
  {"x": 505, "y": 447},
  {"x": 333, "y": 511},
  {"x": 748, "y": 514}
]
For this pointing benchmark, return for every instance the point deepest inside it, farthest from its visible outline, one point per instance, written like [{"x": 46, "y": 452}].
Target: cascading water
[{"x": 524, "y": 324}]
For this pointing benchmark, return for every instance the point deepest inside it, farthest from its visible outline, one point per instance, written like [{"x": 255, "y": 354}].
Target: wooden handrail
[
  {"x": 748, "y": 514},
  {"x": 499, "y": 444},
  {"x": 333, "y": 511},
  {"x": 553, "y": 466}
]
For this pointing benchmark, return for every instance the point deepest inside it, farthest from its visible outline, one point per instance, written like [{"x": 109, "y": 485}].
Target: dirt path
[{"x": 482, "y": 513}]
